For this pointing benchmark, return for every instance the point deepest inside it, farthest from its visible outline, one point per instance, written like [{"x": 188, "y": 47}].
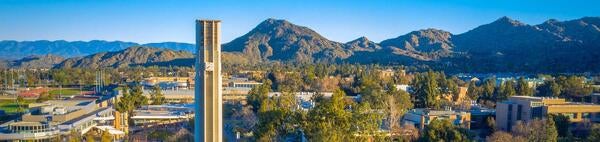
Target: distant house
[
  {"x": 474, "y": 79},
  {"x": 403, "y": 87},
  {"x": 462, "y": 95},
  {"x": 385, "y": 74}
]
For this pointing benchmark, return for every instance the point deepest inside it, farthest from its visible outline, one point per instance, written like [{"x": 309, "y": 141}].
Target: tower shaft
[{"x": 208, "y": 98}]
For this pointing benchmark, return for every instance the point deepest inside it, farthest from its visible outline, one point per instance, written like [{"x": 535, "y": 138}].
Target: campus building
[
  {"x": 527, "y": 108},
  {"x": 169, "y": 82},
  {"x": 154, "y": 115},
  {"x": 242, "y": 83},
  {"x": 421, "y": 117},
  {"x": 52, "y": 119}
]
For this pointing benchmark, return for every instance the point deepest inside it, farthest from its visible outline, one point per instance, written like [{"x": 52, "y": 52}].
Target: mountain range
[
  {"x": 12, "y": 50},
  {"x": 505, "y": 45}
]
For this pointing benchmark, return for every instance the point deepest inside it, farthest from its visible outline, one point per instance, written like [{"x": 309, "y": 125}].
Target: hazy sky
[{"x": 339, "y": 20}]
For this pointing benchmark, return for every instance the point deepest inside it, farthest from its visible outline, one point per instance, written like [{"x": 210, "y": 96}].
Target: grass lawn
[
  {"x": 65, "y": 92},
  {"x": 9, "y": 106}
]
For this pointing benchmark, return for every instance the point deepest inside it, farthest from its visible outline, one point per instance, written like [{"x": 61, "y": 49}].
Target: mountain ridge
[{"x": 502, "y": 45}]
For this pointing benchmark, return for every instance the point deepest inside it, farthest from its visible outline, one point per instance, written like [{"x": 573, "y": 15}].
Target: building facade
[
  {"x": 50, "y": 120},
  {"x": 527, "y": 108}
]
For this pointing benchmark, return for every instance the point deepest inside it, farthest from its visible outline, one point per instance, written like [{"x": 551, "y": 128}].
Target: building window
[
  {"x": 536, "y": 112},
  {"x": 586, "y": 115},
  {"x": 570, "y": 115},
  {"x": 519, "y": 110},
  {"x": 508, "y": 123}
]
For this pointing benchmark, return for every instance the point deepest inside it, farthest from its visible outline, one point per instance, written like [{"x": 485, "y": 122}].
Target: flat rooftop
[
  {"x": 74, "y": 120},
  {"x": 421, "y": 111}
]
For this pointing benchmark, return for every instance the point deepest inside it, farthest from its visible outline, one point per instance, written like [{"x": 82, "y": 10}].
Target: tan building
[
  {"x": 385, "y": 74},
  {"x": 462, "y": 96},
  {"x": 526, "y": 108}
]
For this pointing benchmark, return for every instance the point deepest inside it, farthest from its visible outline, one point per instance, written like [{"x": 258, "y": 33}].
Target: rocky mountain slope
[
  {"x": 281, "y": 40},
  {"x": 13, "y": 50},
  {"x": 133, "y": 56},
  {"x": 508, "y": 45},
  {"x": 37, "y": 62}
]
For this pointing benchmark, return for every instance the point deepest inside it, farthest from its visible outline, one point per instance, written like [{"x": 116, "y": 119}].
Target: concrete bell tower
[{"x": 208, "y": 99}]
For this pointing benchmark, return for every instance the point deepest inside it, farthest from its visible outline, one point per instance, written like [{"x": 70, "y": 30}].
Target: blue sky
[{"x": 147, "y": 21}]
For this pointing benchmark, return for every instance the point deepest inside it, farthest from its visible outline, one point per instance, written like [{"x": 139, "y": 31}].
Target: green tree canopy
[
  {"x": 523, "y": 88},
  {"x": 427, "y": 90},
  {"x": 329, "y": 120},
  {"x": 506, "y": 90},
  {"x": 442, "y": 130},
  {"x": 157, "y": 97}
]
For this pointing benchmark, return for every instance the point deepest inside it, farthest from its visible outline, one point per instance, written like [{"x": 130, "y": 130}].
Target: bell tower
[{"x": 208, "y": 99}]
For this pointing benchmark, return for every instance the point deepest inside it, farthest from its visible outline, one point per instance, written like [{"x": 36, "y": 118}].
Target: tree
[
  {"x": 398, "y": 103},
  {"x": 89, "y": 137},
  {"x": 20, "y": 103},
  {"x": 45, "y": 96},
  {"x": 473, "y": 91},
  {"x": 427, "y": 90},
  {"x": 549, "y": 89},
  {"x": 277, "y": 118},
  {"x": 329, "y": 120},
  {"x": 157, "y": 97},
  {"x": 523, "y": 88},
  {"x": 124, "y": 104},
  {"x": 562, "y": 124},
  {"x": 594, "y": 133},
  {"x": 443, "y": 130},
  {"x": 106, "y": 137},
  {"x": 448, "y": 86},
  {"x": 137, "y": 96},
  {"x": 365, "y": 121},
  {"x": 74, "y": 136},
  {"x": 574, "y": 87},
  {"x": 487, "y": 92},
  {"x": 506, "y": 90},
  {"x": 372, "y": 91},
  {"x": 258, "y": 94},
  {"x": 409, "y": 133},
  {"x": 550, "y": 132},
  {"x": 247, "y": 119},
  {"x": 501, "y": 136},
  {"x": 536, "y": 130},
  {"x": 491, "y": 124}
]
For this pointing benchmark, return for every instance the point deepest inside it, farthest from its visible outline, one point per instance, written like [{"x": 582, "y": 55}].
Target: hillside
[
  {"x": 424, "y": 45},
  {"x": 37, "y": 62},
  {"x": 281, "y": 40},
  {"x": 553, "y": 46},
  {"x": 133, "y": 56}
]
